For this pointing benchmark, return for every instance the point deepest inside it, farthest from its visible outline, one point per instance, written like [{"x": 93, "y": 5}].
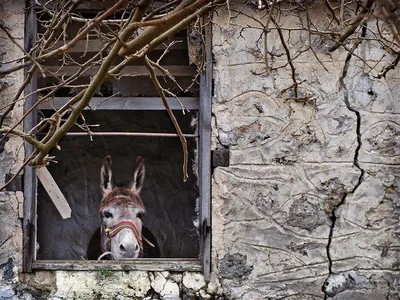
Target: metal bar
[
  {"x": 146, "y": 134},
  {"x": 126, "y": 103}
]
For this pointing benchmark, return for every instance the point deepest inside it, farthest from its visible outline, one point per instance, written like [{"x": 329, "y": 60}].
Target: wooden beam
[
  {"x": 126, "y": 103},
  {"x": 96, "y": 45},
  {"x": 30, "y": 181},
  {"x": 139, "y": 264},
  {"x": 133, "y": 71},
  {"x": 204, "y": 158},
  {"x": 54, "y": 192}
]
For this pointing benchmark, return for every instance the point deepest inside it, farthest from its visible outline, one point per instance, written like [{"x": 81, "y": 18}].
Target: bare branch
[
  {"x": 353, "y": 26},
  {"x": 289, "y": 58},
  {"x": 26, "y": 162},
  {"x": 171, "y": 115},
  {"x": 27, "y": 137}
]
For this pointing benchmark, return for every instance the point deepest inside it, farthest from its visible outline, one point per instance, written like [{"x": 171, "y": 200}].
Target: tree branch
[
  {"x": 27, "y": 137},
  {"x": 353, "y": 26},
  {"x": 171, "y": 115}
]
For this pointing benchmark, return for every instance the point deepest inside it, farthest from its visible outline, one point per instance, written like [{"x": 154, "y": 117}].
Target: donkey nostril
[
  {"x": 121, "y": 247},
  {"x": 137, "y": 247}
]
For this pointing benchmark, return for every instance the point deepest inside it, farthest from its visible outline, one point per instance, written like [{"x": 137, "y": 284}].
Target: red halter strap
[{"x": 111, "y": 232}]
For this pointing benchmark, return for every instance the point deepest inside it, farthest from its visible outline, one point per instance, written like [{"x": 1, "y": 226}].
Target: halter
[{"x": 112, "y": 231}]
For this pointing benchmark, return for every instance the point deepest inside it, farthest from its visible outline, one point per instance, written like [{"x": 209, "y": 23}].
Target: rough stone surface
[
  {"x": 311, "y": 193},
  {"x": 234, "y": 266},
  {"x": 193, "y": 281},
  {"x": 103, "y": 284},
  {"x": 170, "y": 291},
  {"x": 158, "y": 282}
]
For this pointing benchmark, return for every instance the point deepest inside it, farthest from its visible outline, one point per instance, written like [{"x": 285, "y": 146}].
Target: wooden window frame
[{"x": 201, "y": 264}]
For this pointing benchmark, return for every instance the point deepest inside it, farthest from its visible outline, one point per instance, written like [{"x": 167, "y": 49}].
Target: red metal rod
[{"x": 149, "y": 134}]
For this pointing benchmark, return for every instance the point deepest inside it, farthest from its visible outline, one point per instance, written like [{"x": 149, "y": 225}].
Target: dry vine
[
  {"x": 131, "y": 30},
  {"x": 144, "y": 25}
]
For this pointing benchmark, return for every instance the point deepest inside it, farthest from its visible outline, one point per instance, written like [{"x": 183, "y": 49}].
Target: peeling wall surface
[{"x": 309, "y": 205}]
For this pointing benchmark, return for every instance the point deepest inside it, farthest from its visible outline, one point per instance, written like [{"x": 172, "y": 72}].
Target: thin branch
[
  {"x": 295, "y": 84},
  {"x": 353, "y": 26},
  {"x": 394, "y": 16},
  {"x": 153, "y": 32},
  {"x": 310, "y": 41},
  {"x": 26, "y": 162},
  {"x": 83, "y": 33},
  {"x": 27, "y": 137},
  {"x": 328, "y": 4},
  {"x": 171, "y": 115},
  {"x": 23, "y": 50},
  {"x": 266, "y": 35},
  {"x": 389, "y": 67},
  {"x": 86, "y": 95}
]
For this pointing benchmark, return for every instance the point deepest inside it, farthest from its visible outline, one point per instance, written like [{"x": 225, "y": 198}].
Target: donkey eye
[
  {"x": 107, "y": 214},
  {"x": 139, "y": 215}
]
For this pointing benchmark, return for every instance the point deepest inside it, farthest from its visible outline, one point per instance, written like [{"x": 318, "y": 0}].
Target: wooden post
[
  {"x": 204, "y": 157},
  {"x": 30, "y": 181}
]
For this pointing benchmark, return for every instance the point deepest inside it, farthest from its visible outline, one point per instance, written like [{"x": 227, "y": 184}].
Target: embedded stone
[
  {"x": 233, "y": 266},
  {"x": 194, "y": 281},
  {"x": 158, "y": 282},
  {"x": 170, "y": 291}
]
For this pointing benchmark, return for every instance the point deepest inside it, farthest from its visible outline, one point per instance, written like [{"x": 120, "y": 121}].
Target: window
[{"x": 132, "y": 122}]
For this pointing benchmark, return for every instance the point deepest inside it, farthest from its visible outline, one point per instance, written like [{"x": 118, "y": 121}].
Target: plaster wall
[{"x": 309, "y": 205}]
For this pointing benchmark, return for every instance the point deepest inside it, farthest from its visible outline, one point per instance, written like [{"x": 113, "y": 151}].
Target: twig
[
  {"x": 295, "y": 84},
  {"x": 166, "y": 72},
  {"x": 328, "y": 4},
  {"x": 28, "y": 78},
  {"x": 341, "y": 14},
  {"x": 23, "y": 50},
  {"x": 84, "y": 97},
  {"x": 310, "y": 41},
  {"x": 27, "y": 137},
  {"x": 394, "y": 16},
  {"x": 104, "y": 100},
  {"x": 171, "y": 115},
  {"x": 353, "y": 26},
  {"x": 166, "y": 24},
  {"x": 265, "y": 35},
  {"x": 389, "y": 67},
  {"x": 26, "y": 162},
  {"x": 92, "y": 24}
]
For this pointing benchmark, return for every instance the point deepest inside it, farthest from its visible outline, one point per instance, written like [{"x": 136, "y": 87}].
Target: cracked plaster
[{"x": 305, "y": 197}]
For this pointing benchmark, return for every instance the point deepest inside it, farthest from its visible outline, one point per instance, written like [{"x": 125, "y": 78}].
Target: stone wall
[
  {"x": 11, "y": 151},
  {"x": 309, "y": 205}
]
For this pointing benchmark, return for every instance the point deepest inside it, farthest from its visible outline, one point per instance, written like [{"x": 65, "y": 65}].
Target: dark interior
[{"x": 169, "y": 201}]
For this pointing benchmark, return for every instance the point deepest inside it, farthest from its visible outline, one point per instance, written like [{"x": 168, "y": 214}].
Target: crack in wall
[{"x": 342, "y": 86}]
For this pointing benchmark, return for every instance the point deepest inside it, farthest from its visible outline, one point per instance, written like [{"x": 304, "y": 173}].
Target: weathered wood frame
[
  {"x": 204, "y": 155},
  {"x": 30, "y": 179}
]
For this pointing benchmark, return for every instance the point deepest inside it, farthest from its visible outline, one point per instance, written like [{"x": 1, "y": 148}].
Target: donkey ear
[
  {"x": 106, "y": 176},
  {"x": 136, "y": 182}
]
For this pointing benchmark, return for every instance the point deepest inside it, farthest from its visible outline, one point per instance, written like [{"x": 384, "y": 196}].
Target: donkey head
[{"x": 121, "y": 209}]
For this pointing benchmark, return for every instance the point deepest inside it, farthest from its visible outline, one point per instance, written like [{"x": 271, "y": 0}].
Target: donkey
[{"x": 121, "y": 211}]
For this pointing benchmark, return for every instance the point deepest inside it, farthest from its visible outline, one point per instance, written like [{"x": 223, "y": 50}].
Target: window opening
[{"x": 133, "y": 122}]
